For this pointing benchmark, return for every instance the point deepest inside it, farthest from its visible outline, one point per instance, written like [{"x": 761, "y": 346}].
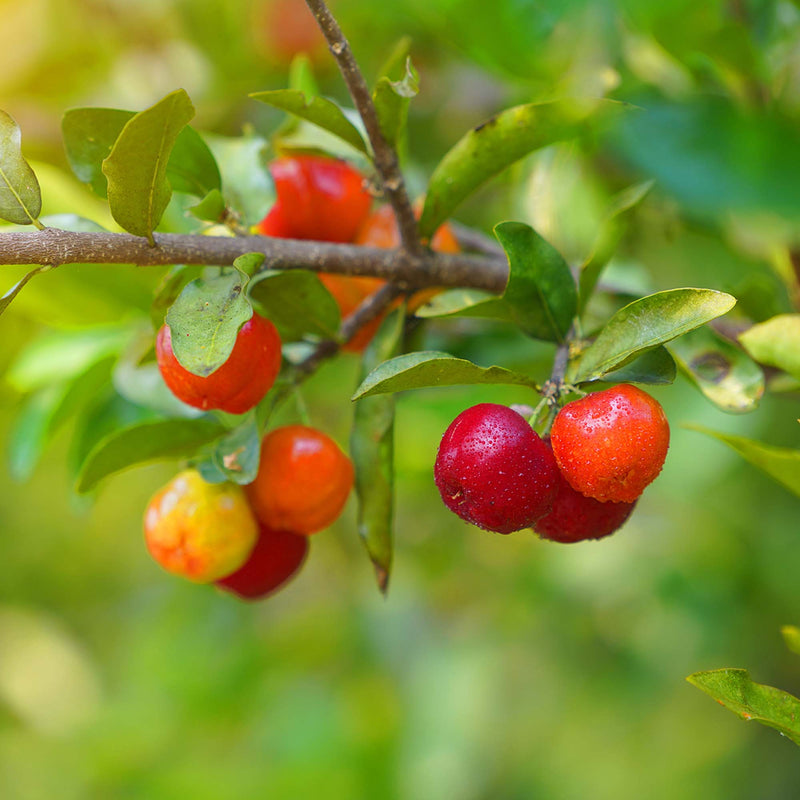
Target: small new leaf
[
  {"x": 317, "y": 110},
  {"x": 20, "y": 197},
  {"x": 136, "y": 167},
  {"x": 429, "y": 368},
  {"x": 392, "y": 99},
  {"x": 205, "y": 320},
  {"x": 647, "y": 323}
]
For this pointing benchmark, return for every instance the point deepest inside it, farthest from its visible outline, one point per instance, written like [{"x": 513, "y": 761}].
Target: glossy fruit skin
[
  {"x": 199, "y": 530},
  {"x": 494, "y": 471},
  {"x": 303, "y": 480},
  {"x": 276, "y": 558},
  {"x": 240, "y": 383},
  {"x": 320, "y": 198},
  {"x": 575, "y": 517},
  {"x": 610, "y": 445}
]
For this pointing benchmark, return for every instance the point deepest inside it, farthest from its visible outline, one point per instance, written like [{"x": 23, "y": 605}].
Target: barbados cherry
[
  {"x": 199, "y": 530},
  {"x": 610, "y": 445},
  {"x": 276, "y": 558},
  {"x": 239, "y": 383},
  {"x": 575, "y": 517},
  {"x": 494, "y": 471},
  {"x": 303, "y": 480},
  {"x": 319, "y": 198}
]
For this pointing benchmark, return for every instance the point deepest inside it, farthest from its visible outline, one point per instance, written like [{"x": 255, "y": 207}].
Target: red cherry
[
  {"x": 575, "y": 517},
  {"x": 610, "y": 445},
  {"x": 321, "y": 198},
  {"x": 494, "y": 471},
  {"x": 275, "y": 224},
  {"x": 240, "y": 383},
  {"x": 276, "y": 557}
]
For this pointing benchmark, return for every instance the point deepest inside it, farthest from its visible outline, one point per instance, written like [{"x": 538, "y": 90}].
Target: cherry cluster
[{"x": 582, "y": 482}]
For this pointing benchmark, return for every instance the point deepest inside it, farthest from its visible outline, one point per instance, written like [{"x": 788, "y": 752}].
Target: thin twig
[
  {"x": 384, "y": 155},
  {"x": 57, "y": 247}
]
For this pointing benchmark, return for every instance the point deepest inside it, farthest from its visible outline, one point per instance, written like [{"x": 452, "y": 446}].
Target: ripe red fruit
[
  {"x": 239, "y": 383},
  {"x": 610, "y": 445},
  {"x": 575, "y": 517},
  {"x": 494, "y": 471},
  {"x": 320, "y": 198},
  {"x": 277, "y": 557}
]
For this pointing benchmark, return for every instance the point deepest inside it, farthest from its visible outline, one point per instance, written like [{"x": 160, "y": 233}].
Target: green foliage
[
  {"x": 136, "y": 167},
  {"x": 234, "y": 456},
  {"x": 391, "y": 98},
  {"x": 20, "y": 198},
  {"x": 372, "y": 451},
  {"x": 654, "y": 366},
  {"x": 776, "y": 343}
]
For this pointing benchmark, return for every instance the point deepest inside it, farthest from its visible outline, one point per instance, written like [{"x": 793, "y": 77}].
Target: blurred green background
[{"x": 498, "y": 667}]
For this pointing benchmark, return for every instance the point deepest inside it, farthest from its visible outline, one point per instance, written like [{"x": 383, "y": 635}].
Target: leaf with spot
[
  {"x": 136, "y": 167},
  {"x": 725, "y": 374},
  {"x": 736, "y": 690},
  {"x": 234, "y": 457},
  {"x": 647, "y": 323},
  {"x": 372, "y": 450},
  {"x": 205, "y": 319},
  {"x": 20, "y": 197}
]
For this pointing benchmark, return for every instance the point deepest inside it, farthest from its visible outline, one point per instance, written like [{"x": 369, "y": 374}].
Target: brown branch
[
  {"x": 385, "y": 158},
  {"x": 57, "y": 247}
]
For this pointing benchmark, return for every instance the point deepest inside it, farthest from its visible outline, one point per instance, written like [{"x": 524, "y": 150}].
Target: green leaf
[
  {"x": 466, "y": 303},
  {"x": 235, "y": 456},
  {"x": 372, "y": 451},
  {"x": 780, "y": 463},
  {"x": 297, "y": 303},
  {"x": 611, "y": 230},
  {"x": 140, "y": 444},
  {"x": 541, "y": 292},
  {"x": 720, "y": 370},
  {"x": 791, "y": 637},
  {"x": 211, "y": 208},
  {"x": 192, "y": 167},
  {"x": 735, "y": 690},
  {"x": 775, "y": 343},
  {"x": 205, "y": 320},
  {"x": 136, "y": 167},
  {"x": 647, "y": 323},
  {"x": 168, "y": 291},
  {"x": 301, "y": 75},
  {"x": 655, "y": 367},
  {"x": 429, "y": 368},
  {"x": 317, "y": 110},
  {"x": 496, "y": 144},
  {"x": 8, "y": 297},
  {"x": 395, "y": 65},
  {"x": 20, "y": 198},
  {"x": 391, "y": 99}
]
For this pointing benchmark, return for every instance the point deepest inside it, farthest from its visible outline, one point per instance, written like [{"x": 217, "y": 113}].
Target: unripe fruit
[
  {"x": 494, "y": 471},
  {"x": 276, "y": 558},
  {"x": 303, "y": 480},
  {"x": 199, "y": 530},
  {"x": 610, "y": 445},
  {"x": 320, "y": 198},
  {"x": 575, "y": 517},
  {"x": 240, "y": 383}
]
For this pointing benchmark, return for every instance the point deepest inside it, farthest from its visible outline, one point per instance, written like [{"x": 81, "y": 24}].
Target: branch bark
[
  {"x": 56, "y": 247},
  {"x": 384, "y": 156}
]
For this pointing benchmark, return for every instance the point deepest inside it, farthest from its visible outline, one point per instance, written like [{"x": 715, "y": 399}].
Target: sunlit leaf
[
  {"x": 540, "y": 292},
  {"x": 735, "y": 690},
  {"x": 720, "y": 370},
  {"x": 392, "y": 99},
  {"x": 497, "y": 143},
  {"x": 136, "y": 167},
  {"x": 301, "y": 75},
  {"x": 776, "y": 343},
  {"x": 429, "y": 368},
  {"x": 140, "y": 444},
  {"x": 8, "y": 297},
  {"x": 791, "y": 636},
  {"x": 192, "y": 167},
  {"x": 205, "y": 320},
  {"x": 647, "y": 323},
  {"x": 780, "y": 463},
  {"x": 655, "y": 367},
  {"x": 372, "y": 450},
  {"x": 296, "y": 302},
  {"x": 317, "y": 110},
  {"x": 211, "y": 208},
  {"x": 466, "y": 303},
  {"x": 20, "y": 198}
]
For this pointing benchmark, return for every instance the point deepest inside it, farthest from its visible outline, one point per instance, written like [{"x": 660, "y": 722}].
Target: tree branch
[
  {"x": 56, "y": 247},
  {"x": 385, "y": 158}
]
